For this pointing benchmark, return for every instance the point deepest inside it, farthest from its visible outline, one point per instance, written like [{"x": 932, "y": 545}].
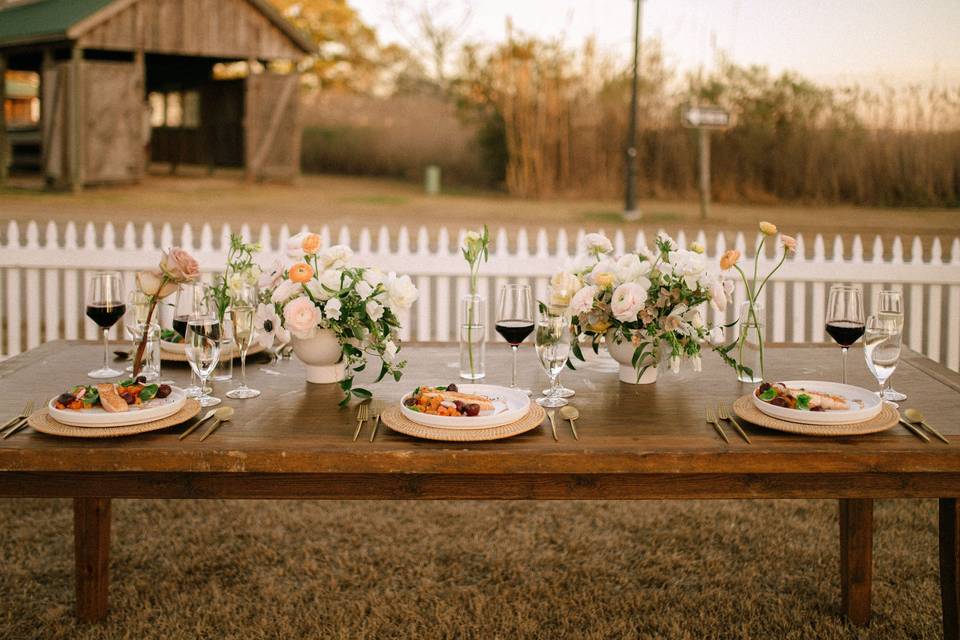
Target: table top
[{"x": 296, "y": 427}]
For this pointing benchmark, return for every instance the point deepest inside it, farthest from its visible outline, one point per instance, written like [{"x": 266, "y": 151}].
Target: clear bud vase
[
  {"x": 750, "y": 343},
  {"x": 473, "y": 337},
  {"x": 150, "y": 365}
]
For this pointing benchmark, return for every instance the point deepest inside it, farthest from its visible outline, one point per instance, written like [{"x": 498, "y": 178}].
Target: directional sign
[{"x": 705, "y": 117}]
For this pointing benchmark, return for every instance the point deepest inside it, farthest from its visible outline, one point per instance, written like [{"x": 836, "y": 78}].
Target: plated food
[
  {"x": 816, "y": 402},
  {"x": 466, "y": 406},
  {"x": 113, "y": 404}
]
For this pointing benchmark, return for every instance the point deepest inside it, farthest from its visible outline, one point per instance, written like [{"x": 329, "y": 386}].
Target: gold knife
[
  {"x": 553, "y": 423},
  {"x": 916, "y": 432}
]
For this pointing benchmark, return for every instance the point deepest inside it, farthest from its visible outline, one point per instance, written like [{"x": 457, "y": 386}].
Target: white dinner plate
[
  {"x": 173, "y": 347},
  {"x": 864, "y": 404},
  {"x": 156, "y": 409},
  {"x": 509, "y": 406}
]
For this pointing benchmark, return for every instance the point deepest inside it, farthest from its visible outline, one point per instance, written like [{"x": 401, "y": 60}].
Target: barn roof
[{"x": 53, "y": 20}]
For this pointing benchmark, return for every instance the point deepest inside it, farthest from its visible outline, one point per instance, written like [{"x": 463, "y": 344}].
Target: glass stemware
[
  {"x": 844, "y": 318},
  {"x": 553, "y": 349},
  {"x": 105, "y": 306},
  {"x": 882, "y": 343},
  {"x": 890, "y": 307},
  {"x": 243, "y": 309},
  {"x": 515, "y": 321},
  {"x": 203, "y": 351},
  {"x": 193, "y": 299}
]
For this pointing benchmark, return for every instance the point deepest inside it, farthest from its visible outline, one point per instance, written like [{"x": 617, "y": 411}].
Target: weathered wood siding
[
  {"x": 214, "y": 28},
  {"x": 272, "y": 127},
  {"x": 113, "y": 121}
]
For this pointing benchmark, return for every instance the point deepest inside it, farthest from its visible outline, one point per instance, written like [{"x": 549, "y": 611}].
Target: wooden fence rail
[{"x": 43, "y": 275}]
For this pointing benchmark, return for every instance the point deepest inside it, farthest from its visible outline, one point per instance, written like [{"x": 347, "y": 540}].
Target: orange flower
[
  {"x": 729, "y": 258},
  {"x": 301, "y": 273},
  {"x": 310, "y": 244}
]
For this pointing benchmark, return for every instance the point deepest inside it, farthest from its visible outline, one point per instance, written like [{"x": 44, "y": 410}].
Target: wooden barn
[{"x": 123, "y": 83}]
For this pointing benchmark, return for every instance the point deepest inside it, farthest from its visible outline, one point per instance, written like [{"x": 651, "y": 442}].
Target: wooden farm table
[{"x": 648, "y": 442}]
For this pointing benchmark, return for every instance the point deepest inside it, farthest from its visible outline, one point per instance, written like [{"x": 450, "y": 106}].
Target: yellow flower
[
  {"x": 729, "y": 258},
  {"x": 768, "y": 228},
  {"x": 600, "y": 326},
  {"x": 696, "y": 247},
  {"x": 603, "y": 280}
]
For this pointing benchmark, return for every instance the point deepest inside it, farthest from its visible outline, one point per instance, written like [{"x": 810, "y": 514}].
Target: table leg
[
  {"x": 91, "y": 536},
  {"x": 856, "y": 558},
  {"x": 950, "y": 567}
]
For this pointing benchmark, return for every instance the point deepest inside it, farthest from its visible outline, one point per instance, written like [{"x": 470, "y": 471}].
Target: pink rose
[
  {"x": 151, "y": 283},
  {"x": 179, "y": 265},
  {"x": 300, "y": 317}
]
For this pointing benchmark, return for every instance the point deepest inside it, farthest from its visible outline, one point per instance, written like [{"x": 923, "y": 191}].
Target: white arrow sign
[{"x": 705, "y": 117}]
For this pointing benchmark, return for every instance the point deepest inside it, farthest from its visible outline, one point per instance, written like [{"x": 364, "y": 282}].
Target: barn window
[
  {"x": 175, "y": 109},
  {"x": 157, "y": 111}
]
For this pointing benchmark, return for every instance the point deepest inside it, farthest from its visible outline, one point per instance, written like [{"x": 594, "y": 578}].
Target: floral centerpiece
[
  {"x": 323, "y": 297},
  {"x": 176, "y": 267},
  {"x": 645, "y": 304}
]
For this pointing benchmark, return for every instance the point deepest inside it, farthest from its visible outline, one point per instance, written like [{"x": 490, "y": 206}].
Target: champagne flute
[
  {"x": 553, "y": 349},
  {"x": 105, "y": 306},
  {"x": 243, "y": 308},
  {"x": 193, "y": 299},
  {"x": 845, "y": 321},
  {"x": 882, "y": 342},
  {"x": 891, "y": 308},
  {"x": 203, "y": 351},
  {"x": 515, "y": 321}
]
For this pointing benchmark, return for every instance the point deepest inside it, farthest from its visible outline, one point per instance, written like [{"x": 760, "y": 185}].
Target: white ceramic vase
[
  {"x": 622, "y": 352},
  {"x": 322, "y": 356}
]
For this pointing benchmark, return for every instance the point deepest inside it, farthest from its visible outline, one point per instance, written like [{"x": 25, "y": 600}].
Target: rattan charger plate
[
  {"x": 174, "y": 356},
  {"x": 886, "y": 419},
  {"x": 42, "y": 422},
  {"x": 394, "y": 419}
]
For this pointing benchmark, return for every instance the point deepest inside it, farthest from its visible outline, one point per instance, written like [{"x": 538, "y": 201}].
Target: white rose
[
  {"x": 284, "y": 291},
  {"x": 627, "y": 301},
  {"x": 390, "y": 350},
  {"x": 715, "y": 337},
  {"x": 630, "y": 268},
  {"x": 582, "y": 301},
  {"x": 335, "y": 257},
  {"x": 332, "y": 308},
  {"x": 364, "y": 289},
  {"x": 401, "y": 292},
  {"x": 374, "y": 310},
  {"x": 597, "y": 244}
]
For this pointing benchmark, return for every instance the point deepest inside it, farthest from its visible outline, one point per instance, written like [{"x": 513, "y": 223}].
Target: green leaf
[
  {"x": 577, "y": 352},
  {"x": 803, "y": 402},
  {"x": 384, "y": 368},
  {"x": 149, "y": 392},
  {"x": 768, "y": 395},
  {"x": 362, "y": 393},
  {"x": 126, "y": 383}
]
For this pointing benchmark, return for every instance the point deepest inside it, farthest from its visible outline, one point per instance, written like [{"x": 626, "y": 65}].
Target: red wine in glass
[
  {"x": 106, "y": 315},
  {"x": 514, "y": 331},
  {"x": 180, "y": 326},
  {"x": 845, "y": 332},
  {"x": 844, "y": 320}
]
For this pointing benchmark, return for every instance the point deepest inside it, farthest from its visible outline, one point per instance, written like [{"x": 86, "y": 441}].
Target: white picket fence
[{"x": 43, "y": 276}]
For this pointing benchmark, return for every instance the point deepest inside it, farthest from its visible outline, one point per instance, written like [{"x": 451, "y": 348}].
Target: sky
[{"x": 834, "y": 42}]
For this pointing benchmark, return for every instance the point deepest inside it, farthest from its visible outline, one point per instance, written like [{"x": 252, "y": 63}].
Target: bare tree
[{"x": 431, "y": 29}]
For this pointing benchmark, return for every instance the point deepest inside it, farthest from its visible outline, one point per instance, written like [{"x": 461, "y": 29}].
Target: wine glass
[
  {"x": 891, "y": 308},
  {"x": 845, "y": 321},
  {"x": 881, "y": 347},
  {"x": 553, "y": 349},
  {"x": 193, "y": 299},
  {"x": 203, "y": 351},
  {"x": 105, "y": 305},
  {"x": 515, "y": 321},
  {"x": 243, "y": 308}
]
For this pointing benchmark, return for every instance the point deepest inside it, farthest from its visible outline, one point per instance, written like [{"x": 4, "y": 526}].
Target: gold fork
[
  {"x": 363, "y": 414},
  {"x": 17, "y": 418},
  {"x": 727, "y": 415},
  {"x": 716, "y": 426},
  {"x": 20, "y": 421},
  {"x": 375, "y": 410}
]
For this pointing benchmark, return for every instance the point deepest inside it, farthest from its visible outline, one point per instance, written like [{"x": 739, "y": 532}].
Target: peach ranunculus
[
  {"x": 768, "y": 228},
  {"x": 179, "y": 266},
  {"x": 152, "y": 283},
  {"x": 300, "y": 317},
  {"x": 310, "y": 244},
  {"x": 729, "y": 258},
  {"x": 301, "y": 273},
  {"x": 789, "y": 243}
]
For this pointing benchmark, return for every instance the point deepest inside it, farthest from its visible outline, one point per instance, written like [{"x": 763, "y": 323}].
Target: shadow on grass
[
  {"x": 387, "y": 200},
  {"x": 610, "y": 216}
]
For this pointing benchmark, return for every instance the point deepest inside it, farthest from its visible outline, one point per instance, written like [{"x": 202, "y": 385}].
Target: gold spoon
[
  {"x": 914, "y": 415},
  {"x": 223, "y": 414},
  {"x": 570, "y": 413}
]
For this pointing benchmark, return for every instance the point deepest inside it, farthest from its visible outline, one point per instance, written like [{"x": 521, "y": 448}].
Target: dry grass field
[{"x": 338, "y": 200}]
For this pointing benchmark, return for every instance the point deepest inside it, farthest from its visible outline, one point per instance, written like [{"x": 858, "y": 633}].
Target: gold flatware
[
  {"x": 221, "y": 415},
  {"x": 727, "y": 415},
  {"x": 363, "y": 414},
  {"x": 571, "y": 413},
  {"x": 20, "y": 421},
  {"x": 716, "y": 426},
  {"x": 27, "y": 408},
  {"x": 196, "y": 424},
  {"x": 376, "y": 422},
  {"x": 914, "y": 430},
  {"x": 552, "y": 414},
  {"x": 916, "y": 417}
]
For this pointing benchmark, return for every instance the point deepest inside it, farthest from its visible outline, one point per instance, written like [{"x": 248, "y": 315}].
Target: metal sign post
[{"x": 704, "y": 119}]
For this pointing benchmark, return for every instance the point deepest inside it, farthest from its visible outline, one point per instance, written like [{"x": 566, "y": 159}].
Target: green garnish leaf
[
  {"x": 126, "y": 383},
  {"x": 92, "y": 396},
  {"x": 803, "y": 402},
  {"x": 149, "y": 392},
  {"x": 768, "y": 395}
]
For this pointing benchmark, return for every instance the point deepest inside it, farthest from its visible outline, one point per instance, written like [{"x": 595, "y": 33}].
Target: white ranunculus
[
  {"x": 295, "y": 245},
  {"x": 401, "y": 292},
  {"x": 335, "y": 257},
  {"x": 316, "y": 289},
  {"x": 715, "y": 337},
  {"x": 373, "y": 276},
  {"x": 284, "y": 291},
  {"x": 582, "y": 301},
  {"x": 331, "y": 281},
  {"x": 332, "y": 309},
  {"x": 627, "y": 301},
  {"x": 603, "y": 274},
  {"x": 630, "y": 268},
  {"x": 687, "y": 265},
  {"x": 597, "y": 244},
  {"x": 363, "y": 289},
  {"x": 374, "y": 310}
]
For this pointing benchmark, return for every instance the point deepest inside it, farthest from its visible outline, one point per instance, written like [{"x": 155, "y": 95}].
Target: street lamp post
[{"x": 630, "y": 210}]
